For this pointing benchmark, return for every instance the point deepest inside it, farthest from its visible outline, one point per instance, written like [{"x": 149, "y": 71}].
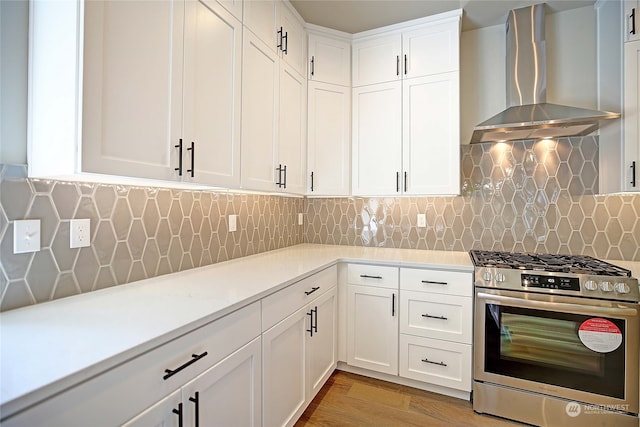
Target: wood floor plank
[{"x": 354, "y": 400}]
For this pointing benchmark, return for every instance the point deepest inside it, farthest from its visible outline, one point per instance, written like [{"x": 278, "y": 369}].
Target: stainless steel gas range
[{"x": 556, "y": 339}]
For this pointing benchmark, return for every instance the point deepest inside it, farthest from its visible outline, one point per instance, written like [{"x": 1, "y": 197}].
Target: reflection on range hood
[{"x": 529, "y": 115}]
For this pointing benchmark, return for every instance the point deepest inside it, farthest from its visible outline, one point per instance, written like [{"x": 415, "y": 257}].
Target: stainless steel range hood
[{"x": 529, "y": 116}]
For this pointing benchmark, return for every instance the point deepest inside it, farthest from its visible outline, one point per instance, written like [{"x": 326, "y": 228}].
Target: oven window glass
[{"x": 544, "y": 346}]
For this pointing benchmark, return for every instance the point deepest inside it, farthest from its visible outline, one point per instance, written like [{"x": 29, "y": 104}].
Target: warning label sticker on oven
[{"x": 600, "y": 335}]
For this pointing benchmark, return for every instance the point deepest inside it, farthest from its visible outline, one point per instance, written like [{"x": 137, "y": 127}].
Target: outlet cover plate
[
  {"x": 79, "y": 233},
  {"x": 422, "y": 220},
  {"x": 300, "y": 219},
  {"x": 233, "y": 223},
  {"x": 26, "y": 236}
]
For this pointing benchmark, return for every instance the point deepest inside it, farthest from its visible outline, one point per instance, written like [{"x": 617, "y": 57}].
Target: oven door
[{"x": 574, "y": 348}]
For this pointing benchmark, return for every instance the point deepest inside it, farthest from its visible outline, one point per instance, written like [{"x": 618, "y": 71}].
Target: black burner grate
[{"x": 578, "y": 264}]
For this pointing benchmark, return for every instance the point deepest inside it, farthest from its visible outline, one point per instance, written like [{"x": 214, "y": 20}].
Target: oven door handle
[{"x": 588, "y": 310}]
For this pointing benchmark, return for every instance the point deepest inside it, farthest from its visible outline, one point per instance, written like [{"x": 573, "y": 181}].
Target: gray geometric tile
[
  {"x": 15, "y": 196},
  {"x": 42, "y": 275},
  {"x": 64, "y": 256},
  {"x": 16, "y": 295},
  {"x": 86, "y": 269},
  {"x": 65, "y": 197}
]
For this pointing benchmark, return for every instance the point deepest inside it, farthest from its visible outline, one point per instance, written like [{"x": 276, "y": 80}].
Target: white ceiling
[{"x": 353, "y": 16}]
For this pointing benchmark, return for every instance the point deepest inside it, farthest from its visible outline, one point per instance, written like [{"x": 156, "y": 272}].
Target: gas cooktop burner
[{"x": 578, "y": 264}]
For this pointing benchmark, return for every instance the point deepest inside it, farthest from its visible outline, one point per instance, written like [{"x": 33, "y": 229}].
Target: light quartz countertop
[{"x": 49, "y": 347}]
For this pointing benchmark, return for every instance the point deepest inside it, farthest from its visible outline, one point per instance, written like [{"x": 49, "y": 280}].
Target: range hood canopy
[{"x": 529, "y": 116}]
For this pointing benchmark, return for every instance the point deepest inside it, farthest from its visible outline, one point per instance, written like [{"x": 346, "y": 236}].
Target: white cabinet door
[
  {"x": 284, "y": 370},
  {"x": 259, "y": 114},
  {"x": 294, "y": 44},
  {"x": 166, "y": 413},
  {"x": 132, "y": 87},
  {"x": 431, "y": 140},
  {"x": 433, "y": 49},
  {"x": 377, "y": 60},
  {"x": 631, "y": 167},
  {"x": 229, "y": 393},
  {"x": 261, "y": 18},
  {"x": 233, "y": 6},
  {"x": 293, "y": 129},
  {"x": 212, "y": 79},
  {"x": 329, "y": 144},
  {"x": 329, "y": 60},
  {"x": 631, "y": 21},
  {"x": 372, "y": 328},
  {"x": 322, "y": 346},
  {"x": 377, "y": 139}
]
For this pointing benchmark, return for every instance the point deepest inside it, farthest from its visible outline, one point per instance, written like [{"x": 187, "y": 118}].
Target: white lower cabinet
[
  {"x": 299, "y": 352},
  {"x": 228, "y": 394}
]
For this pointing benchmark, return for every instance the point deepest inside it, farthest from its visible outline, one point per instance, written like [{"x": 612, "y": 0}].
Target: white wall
[
  {"x": 571, "y": 67},
  {"x": 14, "y": 22}
]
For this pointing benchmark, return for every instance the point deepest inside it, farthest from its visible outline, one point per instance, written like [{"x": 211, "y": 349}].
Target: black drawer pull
[
  {"x": 315, "y": 288},
  {"x": 179, "y": 168},
  {"x": 195, "y": 357},
  {"x": 196, "y": 400},
  {"x": 633, "y": 21},
  {"x": 435, "y": 317},
  {"x": 633, "y": 173},
  {"x": 193, "y": 158},
  {"x": 366, "y": 276},
  {"x": 425, "y": 360},
  {"x": 178, "y": 412},
  {"x": 430, "y": 282}
]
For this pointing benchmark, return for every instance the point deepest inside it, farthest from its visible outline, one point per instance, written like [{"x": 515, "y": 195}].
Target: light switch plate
[
  {"x": 26, "y": 236},
  {"x": 79, "y": 233},
  {"x": 422, "y": 220},
  {"x": 300, "y": 219},
  {"x": 233, "y": 222}
]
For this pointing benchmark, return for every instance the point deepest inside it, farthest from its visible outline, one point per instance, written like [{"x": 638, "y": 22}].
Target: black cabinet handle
[
  {"x": 633, "y": 21},
  {"x": 633, "y": 173},
  {"x": 397, "y": 65},
  {"x": 405, "y": 181},
  {"x": 179, "y": 147},
  {"x": 286, "y": 42},
  {"x": 311, "y": 328},
  {"x": 430, "y": 282},
  {"x": 279, "y": 182},
  {"x": 285, "y": 177},
  {"x": 194, "y": 358},
  {"x": 311, "y": 181},
  {"x": 315, "y": 288},
  {"x": 313, "y": 65},
  {"x": 315, "y": 325},
  {"x": 405, "y": 64},
  {"x": 366, "y": 276},
  {"x": 196, "y": 400},
  {"x": 193, "y": 156},
  {"x": 280, "y": 39},
  {"x": 393, "y": 304},
  {"x": 397, "y": 182},
  {"x": 425, "y": 360},
  {"x": 178, "y": 412},
  {"x": 434, "y": 317}
]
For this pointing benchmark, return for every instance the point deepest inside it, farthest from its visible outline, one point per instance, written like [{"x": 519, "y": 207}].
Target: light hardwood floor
[{"x": 353, "y": 400}]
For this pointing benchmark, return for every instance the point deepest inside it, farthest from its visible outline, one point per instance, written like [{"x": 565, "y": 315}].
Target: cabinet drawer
[
  {"x": 445, "y": 317},
  {"x": 372, "y": 275},
  {"x": 281, "y": 304},
  {"x": 123, "y": 392},
  {"x": 437, "y": 362},
  {"x": 437, "y": 281}
]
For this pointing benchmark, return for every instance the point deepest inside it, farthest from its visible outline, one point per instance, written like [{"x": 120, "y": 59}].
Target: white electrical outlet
[
  {"x": 26, "y": 236},
  {"x": 80, "y": 233},
  {"x": 233, "y": 223},
  {"x": 300, "y": 219},
  {"x": 422, "y": 220}
]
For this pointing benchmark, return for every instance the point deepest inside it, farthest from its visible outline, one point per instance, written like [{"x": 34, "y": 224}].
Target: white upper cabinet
[
  {"x": 329, "y": 60},
  {"x": 260, "y": 16},
  {"x": 631, "y": 165},
  {"x": 233, "y": 6},
  {"x": 376, "y": 60},
  {"x": 631, "y": 21},
  {"x": 406, "y": 109},
  {"x": 212, "y": 82},
  {"x": 130, "y": 122},
  {"x": 293, "y": 49},
  {"x": 329, "y": 140}
]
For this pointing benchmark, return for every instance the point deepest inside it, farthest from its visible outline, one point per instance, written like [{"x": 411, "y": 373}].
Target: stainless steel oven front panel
[{"x": 560, "y": 306}]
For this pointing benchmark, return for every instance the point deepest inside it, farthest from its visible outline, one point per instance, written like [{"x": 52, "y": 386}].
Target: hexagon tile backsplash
[
  {"x": 136, "y": 233},
  {"x": 523, "y": 196}
]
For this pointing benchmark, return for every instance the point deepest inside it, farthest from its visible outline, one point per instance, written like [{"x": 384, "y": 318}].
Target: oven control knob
[
  {"x": 621, "y": 288},
  {"x": 500, "y": 277},
  {"x": 590, "y": 285},
  {"x": 606, "y": 286},
  {"x": 487, "y": 276}
]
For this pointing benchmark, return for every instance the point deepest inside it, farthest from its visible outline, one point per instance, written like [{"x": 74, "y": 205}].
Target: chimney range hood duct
[{"x": 529, "y": 116}]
